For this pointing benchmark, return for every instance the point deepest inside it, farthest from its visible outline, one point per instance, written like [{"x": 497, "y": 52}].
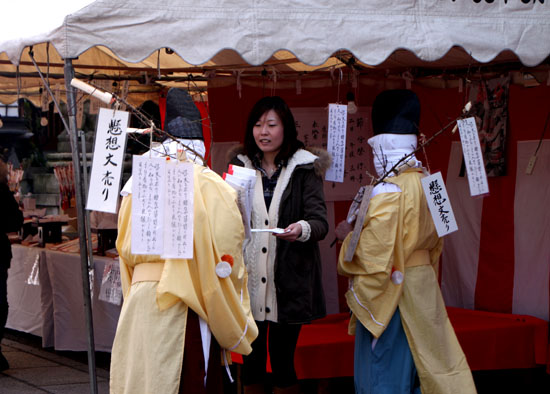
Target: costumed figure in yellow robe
[
  {"x": 404, "y": 340},
  {"x": 179, "y": 313}
]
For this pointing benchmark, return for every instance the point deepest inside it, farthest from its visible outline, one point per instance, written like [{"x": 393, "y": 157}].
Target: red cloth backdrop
[{"x": 492, "y": 283}]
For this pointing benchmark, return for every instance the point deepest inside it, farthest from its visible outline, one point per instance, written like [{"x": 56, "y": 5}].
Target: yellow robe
[
  {"x": 149, "y": 343},
  {"x": 396, "y": 226}
]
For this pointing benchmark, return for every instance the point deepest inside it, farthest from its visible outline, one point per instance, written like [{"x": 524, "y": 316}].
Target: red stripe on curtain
[{"x": 495, "y": 277}]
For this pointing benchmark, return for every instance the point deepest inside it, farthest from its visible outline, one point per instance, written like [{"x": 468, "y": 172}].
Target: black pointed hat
[
  {"x": 396, "y": 112},
  {"x": 183, "y": 119}
]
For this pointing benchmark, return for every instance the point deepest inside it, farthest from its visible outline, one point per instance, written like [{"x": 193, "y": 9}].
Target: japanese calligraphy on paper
[
  {"x": 336, "y": 145},
  {"x": 108, "y": 159},
  {"x": 312, "y": 126},
  {"x": 162, "y": 207},
  {"x": 439, "y": 204},
  {"x": 473, "y": 158},
  {"x": 178, "y": 215},
  {"x": 148, "y": 174},
  {"x": 111, "y": 287}
]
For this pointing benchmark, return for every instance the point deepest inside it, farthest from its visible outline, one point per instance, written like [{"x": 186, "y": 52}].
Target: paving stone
[
  {"x": 9, "y": 385},
  {"x": 18, "y": 359},
  {"x": 84, "y": 388},
  {"x": 48, "y": 376}
]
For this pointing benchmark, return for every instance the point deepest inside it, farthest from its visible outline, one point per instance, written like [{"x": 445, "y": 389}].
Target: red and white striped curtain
[{"x": 499, "y": 260}]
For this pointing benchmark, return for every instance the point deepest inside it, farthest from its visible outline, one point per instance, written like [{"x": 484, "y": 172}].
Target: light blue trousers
[{"x": 389, "y": 367}]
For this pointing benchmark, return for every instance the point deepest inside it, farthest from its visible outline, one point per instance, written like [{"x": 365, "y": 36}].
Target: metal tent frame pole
[{"x": 86, "y": 259}]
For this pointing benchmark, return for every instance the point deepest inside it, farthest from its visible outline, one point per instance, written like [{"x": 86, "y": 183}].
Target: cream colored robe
[
  {"x": 398, "y": 224},
  {"x": 149, "y": 343}
]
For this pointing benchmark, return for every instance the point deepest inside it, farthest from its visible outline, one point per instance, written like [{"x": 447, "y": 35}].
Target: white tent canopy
[{"x": 311, "y": 29}]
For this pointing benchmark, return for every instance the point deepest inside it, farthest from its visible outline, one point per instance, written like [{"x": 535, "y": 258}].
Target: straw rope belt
[
  {"x": 147, "y": 272},
  {"x": 417, "y": 258}
]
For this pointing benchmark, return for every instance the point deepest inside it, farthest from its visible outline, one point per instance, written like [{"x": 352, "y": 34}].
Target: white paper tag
[
  {"x": 336, "y": 144},
  {"x": 148, "y": 202},
  {"x": 178, "y": 214},
  {"x": 111, "y": 287},
  {"x": 108, "y": 160},
  {"x": 439, "y": 204},
  {"x": 473, "y": 158}
]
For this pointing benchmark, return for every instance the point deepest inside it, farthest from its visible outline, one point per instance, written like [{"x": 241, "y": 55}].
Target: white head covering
[{"x": 388, "y": 149}]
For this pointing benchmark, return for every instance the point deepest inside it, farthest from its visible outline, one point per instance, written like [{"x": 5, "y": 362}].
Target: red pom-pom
[{"x": 228, "y": 258}]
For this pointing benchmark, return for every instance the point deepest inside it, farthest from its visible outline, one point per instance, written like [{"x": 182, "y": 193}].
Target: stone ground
[{"x": 36, "y": 370}]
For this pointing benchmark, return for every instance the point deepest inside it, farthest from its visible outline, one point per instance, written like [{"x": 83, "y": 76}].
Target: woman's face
[{"x": 269, "y": 132}]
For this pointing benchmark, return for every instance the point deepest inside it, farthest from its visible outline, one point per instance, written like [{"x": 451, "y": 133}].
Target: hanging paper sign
[
  {"x": 439, "y": 204},
  {"x": 178, "y": 213},
  {"x": 473, "y": 158},
  {"x": 111, "y": 287},
  {"x": 336, "y": 144},
  {"x": 108, "y": 158},
  {"x": 148, "y": 202}
]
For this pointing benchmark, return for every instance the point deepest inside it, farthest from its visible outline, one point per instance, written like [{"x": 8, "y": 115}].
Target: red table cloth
[{"x": 489, "y": 340}]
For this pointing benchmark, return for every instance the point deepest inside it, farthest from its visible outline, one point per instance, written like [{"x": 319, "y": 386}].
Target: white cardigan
[{"x": 259, "y": 251}]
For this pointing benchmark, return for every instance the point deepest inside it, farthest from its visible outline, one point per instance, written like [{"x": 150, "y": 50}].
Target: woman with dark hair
[
  {"x": 12, "y": 220},
  {"x": 284, "y": 269}
]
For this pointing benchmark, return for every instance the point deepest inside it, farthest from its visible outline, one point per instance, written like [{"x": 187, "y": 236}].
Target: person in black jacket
[
  {"x": 284, "y": 270},
  {"x": 12, "y": 220}
]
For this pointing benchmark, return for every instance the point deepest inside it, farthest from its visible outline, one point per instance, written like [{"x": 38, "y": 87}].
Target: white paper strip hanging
[
  {"x": 111, "y": 286},
  {"x": 148, "y": 197},
  {"x": 178, "y": 213},
  {"x": 439, "y": 204},
  {"x": 336, "y": 144},
  {"x": 473, "y": 158},
  {"x": 108, "y": 159}
]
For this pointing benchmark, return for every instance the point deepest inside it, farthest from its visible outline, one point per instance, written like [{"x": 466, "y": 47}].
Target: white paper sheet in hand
[{"x": 269, "y": 230}]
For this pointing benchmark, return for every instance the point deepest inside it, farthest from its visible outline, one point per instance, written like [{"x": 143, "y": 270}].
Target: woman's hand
[{"x": 292, "y": 232}]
